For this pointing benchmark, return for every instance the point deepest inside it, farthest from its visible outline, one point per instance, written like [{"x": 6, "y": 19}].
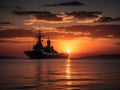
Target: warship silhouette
[{"x": 40, "y": 52}]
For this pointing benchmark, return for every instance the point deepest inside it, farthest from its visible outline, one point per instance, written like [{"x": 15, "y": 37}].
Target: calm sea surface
[{"x": 59, "y": 74}]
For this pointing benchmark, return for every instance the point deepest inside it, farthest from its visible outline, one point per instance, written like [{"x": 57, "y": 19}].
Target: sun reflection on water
[{"x": 68, "y": 72}]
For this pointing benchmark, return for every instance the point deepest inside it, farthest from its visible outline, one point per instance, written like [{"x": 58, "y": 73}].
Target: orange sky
[
  {"x": 78, "y": 47},
  {"x": 86, "y": 27}
]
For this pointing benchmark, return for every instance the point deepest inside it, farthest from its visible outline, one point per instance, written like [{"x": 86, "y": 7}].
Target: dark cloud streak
[
  {"x": 18, "y": 7},
  {"x": 16, "y": 33},
  {"x": 96, "y": 31},
  {"x": 72, "y": 3},
  {"x": 11, "y": 41},
  {"x": 107, "y": 19},
  {"x": 118, "y": 43},
  {"x": 84, "y": 14},
  {"x": 40, "y": 15},
  {"x": 95, "y": 16},
  {"x": 5, "y": 23}
]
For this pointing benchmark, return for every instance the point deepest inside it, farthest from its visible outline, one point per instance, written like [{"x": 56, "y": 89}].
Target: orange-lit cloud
[
  {"x": 96, "y": 31},
  {"x": 65, "y": 17},
  {"x": 69, "y": 32}
]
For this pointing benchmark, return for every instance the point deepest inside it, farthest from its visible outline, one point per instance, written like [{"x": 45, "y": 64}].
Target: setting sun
[{"x": 68, "y": 51}]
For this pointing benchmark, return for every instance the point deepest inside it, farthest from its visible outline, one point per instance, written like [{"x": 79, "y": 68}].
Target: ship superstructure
[{"x": 40, "y": 52}]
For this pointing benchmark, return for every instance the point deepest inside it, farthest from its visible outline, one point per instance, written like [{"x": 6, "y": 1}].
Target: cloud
[
  {"x": 107, "y": 19},
  {"x": 70, "y": 32},
  {"x": 65, "y": 17},
  {"x": 90, "y": 16},
  {"x": 72, "y": 3},
  {"x": 15, "y": 41},
  {"x": 61, "y": 35},
  {"x": 82, "y": 15},
  {"x": 48, "y": 16},
  {"x": 117, "y": 19},
  {"x": 18, "y": 7},
  {"x": 21, "y": 33},
  {"x": 118, "y": 43},
  {"x": 16, "y": 33},
  {"x": 5, "y": 23},
  {"x": 40, "y": 15},
  {"x": 96, "y": 31}
]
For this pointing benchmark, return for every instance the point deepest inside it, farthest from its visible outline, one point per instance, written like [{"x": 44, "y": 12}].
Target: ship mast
[
  {"x": 39, "y": 35},
  {"x": 38, "y": 45}
]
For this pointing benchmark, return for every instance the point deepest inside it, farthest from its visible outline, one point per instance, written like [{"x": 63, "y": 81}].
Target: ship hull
[{"x": 40, "y": 55}]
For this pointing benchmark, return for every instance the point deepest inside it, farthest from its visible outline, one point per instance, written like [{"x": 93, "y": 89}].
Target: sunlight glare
[{"x": 68, "y": 51}]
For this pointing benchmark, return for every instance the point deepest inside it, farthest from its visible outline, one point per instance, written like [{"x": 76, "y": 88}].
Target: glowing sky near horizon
[{"x": 85, "y": 27}]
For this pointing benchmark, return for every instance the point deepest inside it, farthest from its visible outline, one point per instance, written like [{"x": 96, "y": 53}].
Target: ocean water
[{"x": 59, "y": 74}]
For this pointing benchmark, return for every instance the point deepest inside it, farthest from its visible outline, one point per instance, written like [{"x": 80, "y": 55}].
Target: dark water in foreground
[{"x": 59, "y": 74}]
